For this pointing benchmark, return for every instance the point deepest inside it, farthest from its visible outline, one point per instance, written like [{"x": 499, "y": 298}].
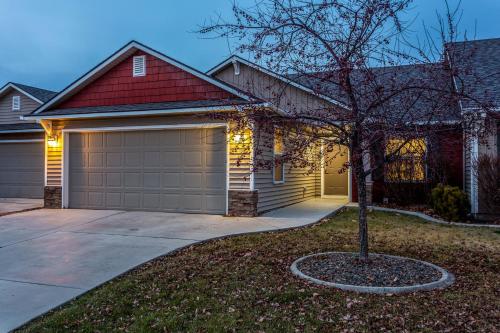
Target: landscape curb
[
  {"x": 446, "y": 279},
  {"x": 427, "y": 217}
]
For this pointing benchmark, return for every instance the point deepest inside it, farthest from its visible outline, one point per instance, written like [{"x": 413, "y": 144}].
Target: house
[
  {"x": 21, "y": 142},
  {"x": 138, "y": 132},
  {"x": 480, "y": 72},
  {"x": 452, "y": 148}
]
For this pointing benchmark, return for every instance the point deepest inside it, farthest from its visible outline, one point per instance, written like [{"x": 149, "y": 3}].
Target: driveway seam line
[
  {"x": 57, "y": 229},
  {"x": 41, "y": 284},
  {"x": 109, "y": 234}
]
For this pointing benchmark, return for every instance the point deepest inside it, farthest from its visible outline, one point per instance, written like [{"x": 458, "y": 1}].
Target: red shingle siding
[{"x": 163, "y": 83}]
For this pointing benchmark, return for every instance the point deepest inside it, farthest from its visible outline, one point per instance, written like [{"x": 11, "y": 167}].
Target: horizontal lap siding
[
  {"x": 54, "y": 163},
  {"x": 7, "y": 116},
  {"x": 299, "y": 184},
  {"x": 240, "y": 163}
]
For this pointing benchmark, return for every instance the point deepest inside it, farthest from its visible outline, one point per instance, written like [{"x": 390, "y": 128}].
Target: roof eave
[{"x": 119, "y": 114}]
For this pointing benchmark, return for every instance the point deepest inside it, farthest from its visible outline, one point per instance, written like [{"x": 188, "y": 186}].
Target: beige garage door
[
  {"x": 21, "y": 170},
  {"x": 182, "y": 170}
]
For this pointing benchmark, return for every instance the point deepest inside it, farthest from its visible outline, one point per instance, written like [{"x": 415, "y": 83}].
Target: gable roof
[
  {"x": 37, "y": 94},
  {"x": 478, "y": 67},
  {"x": 229, "y": 61},
  {"x": 120, "y": 55}
]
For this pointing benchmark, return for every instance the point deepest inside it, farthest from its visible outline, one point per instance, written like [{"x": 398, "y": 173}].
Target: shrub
[{"x": 450, "y": 202}]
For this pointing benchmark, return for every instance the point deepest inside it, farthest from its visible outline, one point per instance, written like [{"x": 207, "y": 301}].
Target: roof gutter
[{"x": 141, "y": 113}]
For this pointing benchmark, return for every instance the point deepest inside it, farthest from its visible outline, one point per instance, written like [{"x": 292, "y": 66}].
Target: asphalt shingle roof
[
  {"x": 478, "y": 70},
  {"x": 425, "y": 99},
  {"x": 42, "y": 94}
]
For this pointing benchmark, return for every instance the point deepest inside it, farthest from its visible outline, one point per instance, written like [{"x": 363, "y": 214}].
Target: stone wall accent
[
  {"x": 52, "y": 197},
  {"x": 242, "y": 203}
]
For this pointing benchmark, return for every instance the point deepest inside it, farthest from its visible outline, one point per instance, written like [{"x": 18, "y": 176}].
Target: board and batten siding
[
  {"x": 239, "y": 163},
  {"x": 7, "y": 116},
  {"x": 300, "y": 183}
]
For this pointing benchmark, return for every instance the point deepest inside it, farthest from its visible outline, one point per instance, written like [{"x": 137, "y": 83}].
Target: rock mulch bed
[
  {"x": 378, "y": 271},
  {"x": 379, "y": 274}
]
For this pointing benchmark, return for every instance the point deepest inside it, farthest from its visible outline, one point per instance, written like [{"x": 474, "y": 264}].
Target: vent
[
  {"x": 139, "y": 66},
  {"x": 16, "y": 103}
]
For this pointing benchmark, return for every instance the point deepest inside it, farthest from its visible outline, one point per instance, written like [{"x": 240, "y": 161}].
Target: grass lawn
[{"x": 244, "y": 284}]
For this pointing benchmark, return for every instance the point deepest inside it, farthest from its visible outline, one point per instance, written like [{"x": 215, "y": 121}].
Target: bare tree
[{"x": 384, "y": 83}]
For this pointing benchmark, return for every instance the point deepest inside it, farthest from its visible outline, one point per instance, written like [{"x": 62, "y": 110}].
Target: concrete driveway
[
  {"x": 13, "y": 205},
  {"x": 48, "y": 257}
]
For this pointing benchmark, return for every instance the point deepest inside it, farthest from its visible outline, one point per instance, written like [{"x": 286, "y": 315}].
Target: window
[
  {"x": 409, "y": 162},
  {"x": 139, "y": 66},
  {"x": 16, "y": 103},
  {"x": 278, "y": 166}
]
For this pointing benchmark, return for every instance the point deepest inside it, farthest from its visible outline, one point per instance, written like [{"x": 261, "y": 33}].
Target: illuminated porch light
[
  {"x": 52, "y": 141},
  {"x": 238, "y": 137}
]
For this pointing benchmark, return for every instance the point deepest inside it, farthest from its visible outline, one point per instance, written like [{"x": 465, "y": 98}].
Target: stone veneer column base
[
  {"x": 242, "y": 203},
  {"x": 52, "y": 197}
]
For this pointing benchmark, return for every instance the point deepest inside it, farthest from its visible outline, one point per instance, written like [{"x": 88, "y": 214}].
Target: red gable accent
[{"x": 163, "y": 83}]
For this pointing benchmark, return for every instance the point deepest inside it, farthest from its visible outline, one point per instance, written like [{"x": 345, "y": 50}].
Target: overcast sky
[{"x": 50, "y": 43}]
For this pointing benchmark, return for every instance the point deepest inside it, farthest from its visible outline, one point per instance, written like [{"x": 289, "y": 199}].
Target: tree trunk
[{"x": 363, "y": 223}]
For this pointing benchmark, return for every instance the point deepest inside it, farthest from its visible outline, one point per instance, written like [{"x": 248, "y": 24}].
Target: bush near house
[{"x": 450, "y": 202}]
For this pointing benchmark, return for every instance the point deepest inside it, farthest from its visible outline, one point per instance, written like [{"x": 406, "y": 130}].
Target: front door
[{"x": 335, "y": 181}]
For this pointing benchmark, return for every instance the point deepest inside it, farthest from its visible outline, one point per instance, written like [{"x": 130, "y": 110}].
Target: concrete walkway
[
  {"x": 13, "y": 205},
  {"x": 48, "y": 257}
]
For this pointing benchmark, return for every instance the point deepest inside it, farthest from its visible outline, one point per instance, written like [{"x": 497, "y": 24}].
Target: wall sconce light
[
  {"x": 52, "y": 141},
  {"x": 238, "y": 137}
]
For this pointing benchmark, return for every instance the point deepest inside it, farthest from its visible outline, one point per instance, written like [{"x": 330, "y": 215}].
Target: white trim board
[
  {"x": 14, "y": 86},
  {"x": 122, "y": 54},
  {"x": 141, "y": 128}
]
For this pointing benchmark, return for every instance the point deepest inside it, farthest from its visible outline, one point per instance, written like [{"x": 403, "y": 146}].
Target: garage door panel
[
  {"x": 95, "y": 160},
  {"x": 22, "y": 170},
  {"x": 114, "y": 159},
  {"x": 152, "y": 180},
  {"x": 113, "y": 200},
  {"x": 172, "y": 158},
  {"x": 162, "y": 170},
  {"x": 113, "y": 139},
  {"x": 94, "y": 140},
  {"x": 96, "y": 199}
]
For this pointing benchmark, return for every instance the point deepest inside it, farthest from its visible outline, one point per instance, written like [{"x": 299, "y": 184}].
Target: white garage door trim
[{"x": 65, "y": 159}]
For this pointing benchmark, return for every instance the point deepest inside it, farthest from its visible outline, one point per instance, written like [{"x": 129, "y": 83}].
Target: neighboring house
[
  {"x": 299, "y": 93},
  {"x": 138, "y": 132},
  {"x": 480, "y": 73},
  {"x": 21, "y": 142}
]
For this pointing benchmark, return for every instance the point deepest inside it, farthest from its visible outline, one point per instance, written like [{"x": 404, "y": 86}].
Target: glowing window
[
  {"x": 408, "y": 164},
  {"x": 278, "y": 166}
]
